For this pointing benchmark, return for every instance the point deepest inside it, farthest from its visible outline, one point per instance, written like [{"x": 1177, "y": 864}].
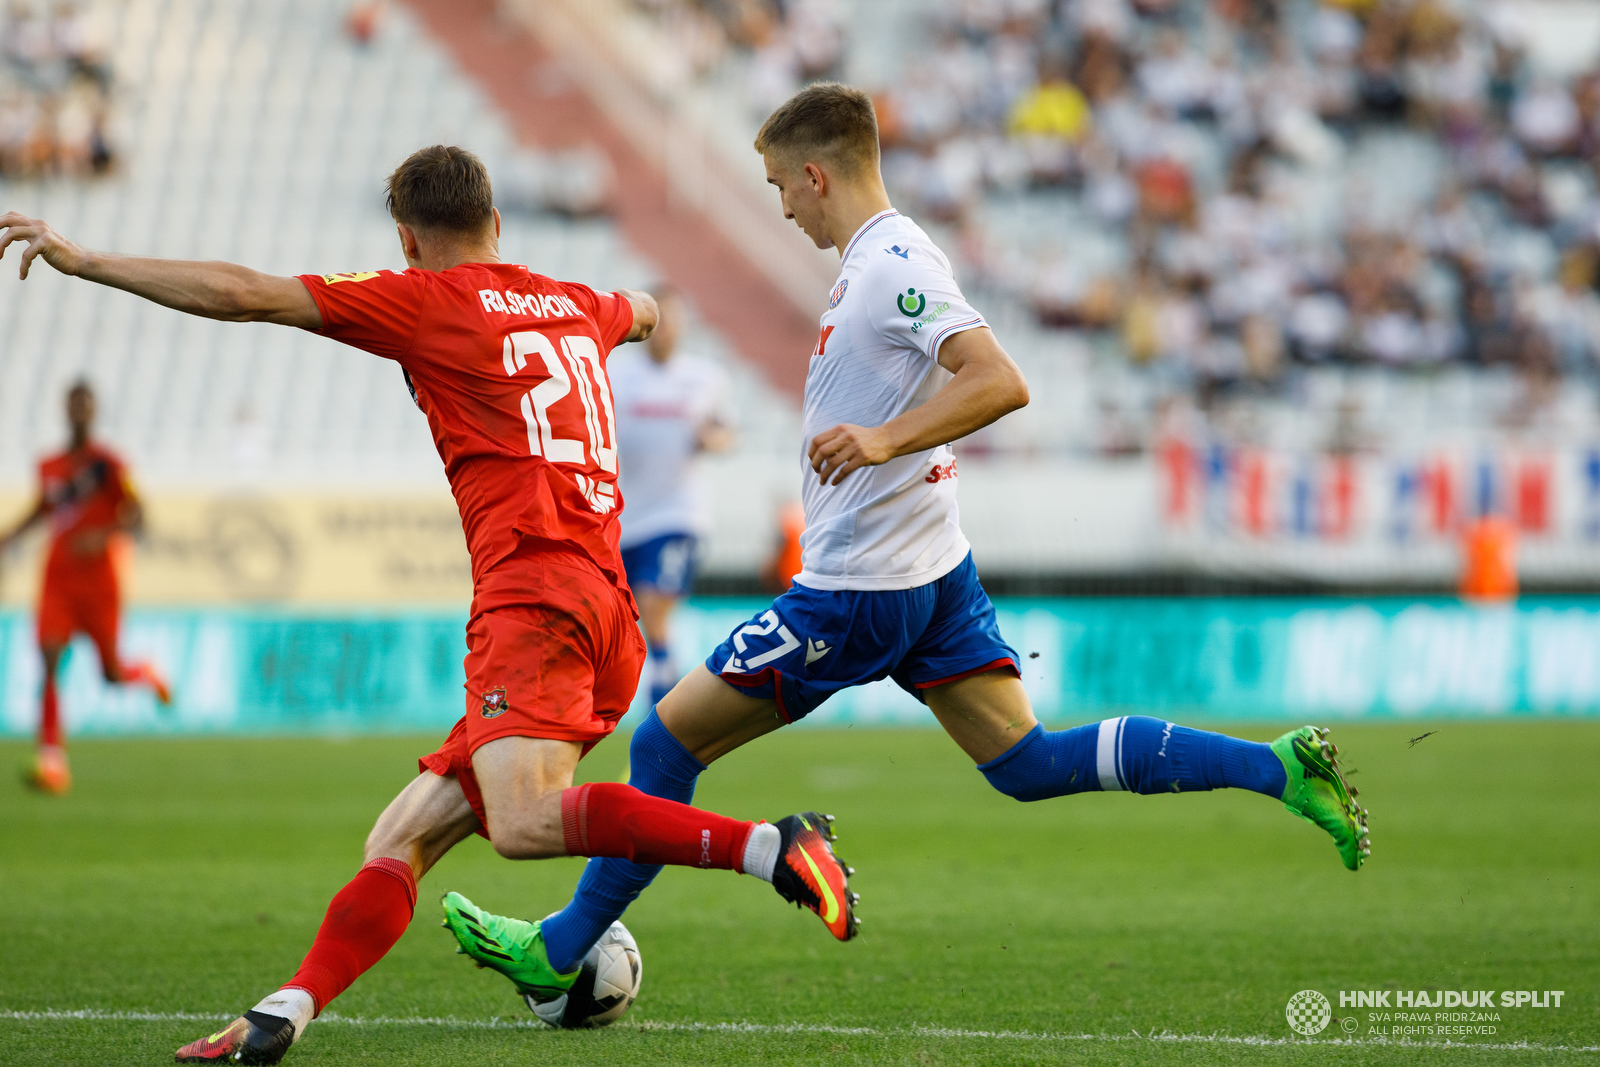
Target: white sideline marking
[{"x": 943, "y": 1032}]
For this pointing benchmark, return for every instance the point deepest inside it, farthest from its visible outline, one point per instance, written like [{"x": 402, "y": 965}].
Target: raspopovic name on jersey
[{"x": 893, "y": 526}]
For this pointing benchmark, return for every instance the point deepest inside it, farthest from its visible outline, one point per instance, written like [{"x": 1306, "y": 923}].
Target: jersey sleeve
[
  {"x": 119, "y": 488},
  {"x": 375, "y": 311},
  {"x": 916, "y": 302},
  {"x": 611, "y": 312}
]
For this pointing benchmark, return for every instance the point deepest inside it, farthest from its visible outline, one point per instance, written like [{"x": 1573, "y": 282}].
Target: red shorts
[
  {"x": 553, "y": 652},
  {"x": 81, "y": 601}
]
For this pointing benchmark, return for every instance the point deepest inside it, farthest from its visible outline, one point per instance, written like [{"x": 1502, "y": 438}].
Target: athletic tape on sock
[{"x": 761, "y": 851}]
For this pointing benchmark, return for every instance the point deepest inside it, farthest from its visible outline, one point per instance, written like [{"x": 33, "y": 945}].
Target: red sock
[
  {"x": 610, "y": 819},
  {"x": 134, "y": 673},
  {"x": 49, "y": 715},
  {"x": 364, "y": 921}
]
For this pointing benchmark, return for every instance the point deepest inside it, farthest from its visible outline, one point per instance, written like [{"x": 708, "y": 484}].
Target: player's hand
[
  {"x": 41, "y": 240},
  {"x": 836, "y": 452}
]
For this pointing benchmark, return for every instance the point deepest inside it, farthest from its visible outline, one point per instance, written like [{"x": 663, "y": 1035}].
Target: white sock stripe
[{"x": 1106, "y": 754}]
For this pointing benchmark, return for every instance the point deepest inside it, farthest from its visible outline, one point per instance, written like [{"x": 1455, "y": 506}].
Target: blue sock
[
  {"x": 660, "y": 767},
  {"x": 1137, "y": 753},
  {"x": 663, "y": 675}
]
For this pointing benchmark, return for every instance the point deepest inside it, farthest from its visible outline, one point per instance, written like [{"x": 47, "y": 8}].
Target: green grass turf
[{"x": 188, "y": 877}]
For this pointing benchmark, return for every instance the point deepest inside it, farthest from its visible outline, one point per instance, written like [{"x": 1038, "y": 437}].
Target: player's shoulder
[
  {"x": 105, "y": 454},
  {"x": 896, "y": 248},
  {"x": 408, "y": 276}
]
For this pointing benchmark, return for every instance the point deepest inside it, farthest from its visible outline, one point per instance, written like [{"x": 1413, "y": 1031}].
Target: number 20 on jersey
[{"x": 559, "y": 433}]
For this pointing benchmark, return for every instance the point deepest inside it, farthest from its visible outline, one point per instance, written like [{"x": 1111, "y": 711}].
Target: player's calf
[{"x": 1136, "y": 753}]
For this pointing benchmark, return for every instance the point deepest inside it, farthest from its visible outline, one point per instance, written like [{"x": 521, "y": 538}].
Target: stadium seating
[{"x": 259, "y": 131}]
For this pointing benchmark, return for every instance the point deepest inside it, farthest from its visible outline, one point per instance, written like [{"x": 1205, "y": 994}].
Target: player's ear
[
  {"x": 408, "y": 241},
  {"x": 817, "y": 178},
  {"x": 496, "y": 223}
]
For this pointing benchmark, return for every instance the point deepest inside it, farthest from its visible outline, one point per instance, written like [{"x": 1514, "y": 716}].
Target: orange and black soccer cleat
[
  {"x": 49, "y": 773},
  {"x": 254, "y": 1038},
  {"x": 809, "y": 875}
]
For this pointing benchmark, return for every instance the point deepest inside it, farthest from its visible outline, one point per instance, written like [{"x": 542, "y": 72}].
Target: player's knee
[
  {"x": 1006, "y": 779},
  {"x": 1045, "y": 765},
  {"x": 1016, "y": 772}
]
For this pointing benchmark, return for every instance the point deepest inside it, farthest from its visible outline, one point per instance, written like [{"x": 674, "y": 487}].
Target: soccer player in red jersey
[
  {"x": 85, "y": 495},
  {"x": 509, "y": 367}
]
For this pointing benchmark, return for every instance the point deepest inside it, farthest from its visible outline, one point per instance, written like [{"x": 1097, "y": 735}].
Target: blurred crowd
[
  {"x": 1227, "y": 213},
  {"x": 788, "y": 42},
  {"x": 55, "y": 93}
]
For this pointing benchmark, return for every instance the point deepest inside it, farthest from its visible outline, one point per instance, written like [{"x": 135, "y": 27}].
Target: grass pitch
[{"x": 184, "y": 879}]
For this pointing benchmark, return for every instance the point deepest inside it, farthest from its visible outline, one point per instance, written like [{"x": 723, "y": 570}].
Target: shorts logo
[
  {"x": 494, "y": 703},
  {"x": 838, "y": 293}
]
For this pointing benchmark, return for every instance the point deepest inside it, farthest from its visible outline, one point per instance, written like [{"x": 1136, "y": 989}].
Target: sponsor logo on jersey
[
  {"x": 938, "y": 309},
  {"x": 941, "y": 472},
  {"x": 838, "y": 293},
  {"x": 822, "y": 342},
  {"x": 903, "y": 253},
  {"x": 494, "y": 703},
  {"x": 538, "y": 306},
  {"x": 914, "y": 307},
  {"x": 350, "y": 276}
]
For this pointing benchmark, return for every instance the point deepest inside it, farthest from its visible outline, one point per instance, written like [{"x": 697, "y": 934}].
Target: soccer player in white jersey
[
  {"x": 671, "y": 408},
  {"x": 902, "y": 367}
]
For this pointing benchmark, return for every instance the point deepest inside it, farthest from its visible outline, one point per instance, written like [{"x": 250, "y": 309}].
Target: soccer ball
[{"x": 605, "y": 987}]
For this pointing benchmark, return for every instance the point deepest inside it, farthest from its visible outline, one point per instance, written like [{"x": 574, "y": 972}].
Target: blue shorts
[
  {"x": 664, "y": 564},
  {"x": 814, "y": 642}
]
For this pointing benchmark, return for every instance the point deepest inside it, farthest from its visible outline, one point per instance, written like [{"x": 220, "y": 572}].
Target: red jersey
[
  {"x": 81, "y": 491},
  {"x": 510, "y": 368}
]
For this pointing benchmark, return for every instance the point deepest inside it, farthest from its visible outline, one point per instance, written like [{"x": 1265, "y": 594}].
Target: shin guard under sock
[
  {"x": 1137, "y": 753},
  {"x": 363, "y": 922},
  {"x": 49, "y": 716},
  {"x": 611, "y": 819}
]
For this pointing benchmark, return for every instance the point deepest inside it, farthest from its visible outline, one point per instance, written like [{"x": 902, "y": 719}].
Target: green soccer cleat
[
  {"x": 1317, "y": 792},
  {"x": 514, "y": 947}
]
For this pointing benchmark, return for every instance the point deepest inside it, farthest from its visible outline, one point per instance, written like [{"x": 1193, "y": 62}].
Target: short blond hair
[{"x": 825, "y": 121}]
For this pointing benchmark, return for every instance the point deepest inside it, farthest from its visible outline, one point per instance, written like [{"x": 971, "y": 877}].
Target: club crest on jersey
[
  {"x": 838, "y": 293},
  {"x": 494, "y": 703},
  {"x": 912, "y": 308},
  {"x": 350, "y": 276}
]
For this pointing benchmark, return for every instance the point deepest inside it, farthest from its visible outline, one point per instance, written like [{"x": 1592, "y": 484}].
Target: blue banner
[{"x": 1262, "y": 658}]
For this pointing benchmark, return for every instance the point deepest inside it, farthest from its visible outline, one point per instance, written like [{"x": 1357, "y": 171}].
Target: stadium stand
[
  {"x": 220, "y": 109},
  {"x": 1245, "y": 304}
]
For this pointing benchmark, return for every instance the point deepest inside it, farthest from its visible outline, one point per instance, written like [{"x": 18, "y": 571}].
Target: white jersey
[
  {"x": 892, "y": 526},
  {"x": 661, "y": 408}
]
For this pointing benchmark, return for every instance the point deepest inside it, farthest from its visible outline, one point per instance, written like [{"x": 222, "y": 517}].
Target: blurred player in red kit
[
  {"x": 85, "y": 496},
  {"x": 510, "y": 368}
]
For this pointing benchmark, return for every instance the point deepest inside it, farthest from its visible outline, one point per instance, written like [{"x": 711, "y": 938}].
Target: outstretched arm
[
  {"x": 986, "y": 386},
  {"x": 26, "y": 523},
  {"x": 211, "y": 290}
]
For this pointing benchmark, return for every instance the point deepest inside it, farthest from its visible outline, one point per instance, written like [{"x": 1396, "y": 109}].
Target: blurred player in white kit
[{"x": 671, "y": 408}]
